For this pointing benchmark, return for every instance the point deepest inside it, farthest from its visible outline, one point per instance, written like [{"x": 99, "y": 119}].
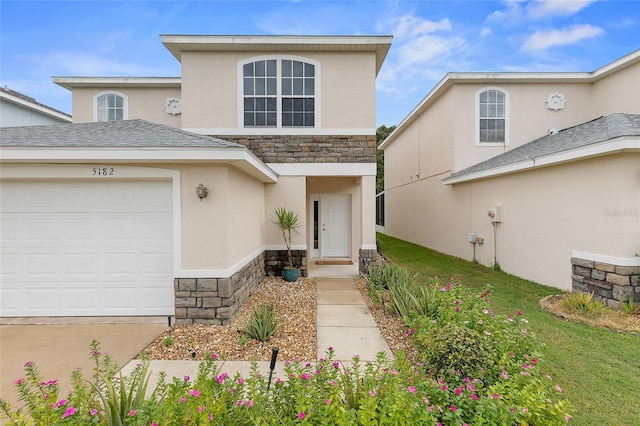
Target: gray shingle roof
[
  {"x": 125, "y": 134},
  {"x": 596, "y": 131}
]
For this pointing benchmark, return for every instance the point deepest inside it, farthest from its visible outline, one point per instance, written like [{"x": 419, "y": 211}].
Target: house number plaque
[{"x": 102, "y": 171}]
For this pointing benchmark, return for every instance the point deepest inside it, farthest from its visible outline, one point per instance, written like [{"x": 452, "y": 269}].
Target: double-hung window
[
  {"x": 279, "y": 93},
  {"x": 492, "y": 108},
  {"x": 110, "y": 106}
]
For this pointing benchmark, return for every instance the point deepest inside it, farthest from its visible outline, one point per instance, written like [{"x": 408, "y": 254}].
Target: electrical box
[
  {"x": 495, "y": 214},
  {"x": 473, "y": 237}
]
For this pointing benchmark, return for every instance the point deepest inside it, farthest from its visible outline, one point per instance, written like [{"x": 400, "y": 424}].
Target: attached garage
[
  {"x": 104, "y": 219},
  {"x": 76, "y": 247}
]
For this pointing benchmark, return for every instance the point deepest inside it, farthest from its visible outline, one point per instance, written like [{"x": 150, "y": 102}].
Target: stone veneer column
[
  {"x": 367, "y": 257},
  {"x": 610, "y": 280}
]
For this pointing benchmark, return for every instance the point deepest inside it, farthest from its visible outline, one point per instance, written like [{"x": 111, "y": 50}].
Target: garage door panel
[
  {"x": 120, "y": 263},
  {"x": 86, "y": 248},
  {"x": 42, "y": 264},
  {"x": 81, "y": 264}
]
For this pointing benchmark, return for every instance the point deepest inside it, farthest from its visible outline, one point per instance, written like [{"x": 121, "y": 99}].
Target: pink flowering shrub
[{"x": 477, "y": 368}]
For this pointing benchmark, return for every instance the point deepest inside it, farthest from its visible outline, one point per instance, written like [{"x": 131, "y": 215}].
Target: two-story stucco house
[
  {"x": 108, "y": 215},
  {"x": 528, "y": 171}
]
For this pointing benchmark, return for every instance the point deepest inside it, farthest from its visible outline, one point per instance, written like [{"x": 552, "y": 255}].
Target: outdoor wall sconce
[{"x": 202, "y": 191}]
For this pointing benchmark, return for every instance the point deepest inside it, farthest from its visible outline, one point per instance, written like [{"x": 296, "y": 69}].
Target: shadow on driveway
[{"x": 60, "y": 345}]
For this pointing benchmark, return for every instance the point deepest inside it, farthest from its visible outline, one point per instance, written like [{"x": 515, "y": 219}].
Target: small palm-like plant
[
  {"x": 262, "y": 324},
  {"x": 288, "y": 222}
]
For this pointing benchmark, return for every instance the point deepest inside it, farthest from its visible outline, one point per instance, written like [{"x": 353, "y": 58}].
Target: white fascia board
[
  {"x": 296, "y": 131},
  {"x": 619, "y": 261},
  {"x": 236, "y": 157},
  {"x": 323, "y": 169},
  {"x": 618, "y": 145},
  {"x": 35, "y": 107},
  {"x": 71, "y": 82}
]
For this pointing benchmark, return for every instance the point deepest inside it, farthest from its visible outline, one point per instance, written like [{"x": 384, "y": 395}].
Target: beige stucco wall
[
  {"x": 529, "y": 116},
  {"x": 144, "y": 103},
  {"x": 618, "y": 94},
  {"x": 205, "y": 235},
  {"x": 289, "y": 192},
  {"x": 547, "y": 213},
  {"x": 210, "y": 88},
  {"x": 247, "y": 219}
]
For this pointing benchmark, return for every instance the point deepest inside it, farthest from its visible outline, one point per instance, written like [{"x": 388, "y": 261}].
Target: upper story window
[
  {"x": 279, "y": 93},
  {"x": 110, "y": 106},
  {"x": 492, "y": 117}
]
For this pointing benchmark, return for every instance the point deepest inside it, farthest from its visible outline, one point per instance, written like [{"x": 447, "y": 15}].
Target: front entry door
[{"x": 335, "y": 226}]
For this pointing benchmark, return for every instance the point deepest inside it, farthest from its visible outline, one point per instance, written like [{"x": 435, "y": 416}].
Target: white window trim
[
  {"x": 476, "y": 122},
  {"x": 125, "y": 103},
  {"x": 278, "y": 58}
]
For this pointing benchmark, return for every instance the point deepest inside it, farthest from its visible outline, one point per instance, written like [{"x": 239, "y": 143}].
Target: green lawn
[{"x": 598, "y": 369}]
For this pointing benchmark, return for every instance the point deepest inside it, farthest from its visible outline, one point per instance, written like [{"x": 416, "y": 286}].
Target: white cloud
[
  {"x": 486, "y": 31},
  {"x": 541, "y": 40},
  {"x": 414, "y": 26},
  {"x": 419, "y": 55},
  {"x": 539, "y": 9},
  {"x": 516, "y": 11}
]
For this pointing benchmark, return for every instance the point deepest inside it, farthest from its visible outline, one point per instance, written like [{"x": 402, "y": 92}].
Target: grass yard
[{"x": 598, "y": 369}]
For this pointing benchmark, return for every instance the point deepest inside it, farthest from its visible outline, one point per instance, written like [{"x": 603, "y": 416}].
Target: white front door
[{"x": 335, "y": 226}]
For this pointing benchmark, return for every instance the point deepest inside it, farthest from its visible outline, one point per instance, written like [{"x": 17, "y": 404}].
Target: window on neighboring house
[
  {"x": 279, "y": 93},
  {"x": 492, "y": 117},
  {"x": 110, "y": 107}
]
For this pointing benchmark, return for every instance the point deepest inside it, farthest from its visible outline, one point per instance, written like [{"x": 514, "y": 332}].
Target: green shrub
[
  {"x": 454, "y": 351},
  {"x": 262, "y": 324}
]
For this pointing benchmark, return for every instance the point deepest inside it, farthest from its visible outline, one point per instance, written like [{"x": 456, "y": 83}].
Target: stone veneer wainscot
[
  {"x": 611, "y": 280},
  {"x": 216, "y": 300}
]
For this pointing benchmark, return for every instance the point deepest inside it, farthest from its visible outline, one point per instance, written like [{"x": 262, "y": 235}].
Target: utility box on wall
[{"x": 495, "y": 214}]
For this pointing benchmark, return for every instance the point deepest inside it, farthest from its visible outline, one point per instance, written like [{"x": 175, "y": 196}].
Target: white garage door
[{"x": 86, "y": 248}]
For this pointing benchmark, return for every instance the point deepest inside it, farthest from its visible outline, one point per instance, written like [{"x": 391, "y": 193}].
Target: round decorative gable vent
[
  {"x": 173, "y": 106},
  {"x": 555, "y": 101}
]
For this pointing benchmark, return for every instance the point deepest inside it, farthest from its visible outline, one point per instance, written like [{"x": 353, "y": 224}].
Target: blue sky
[{"x": 41, "y": 39}]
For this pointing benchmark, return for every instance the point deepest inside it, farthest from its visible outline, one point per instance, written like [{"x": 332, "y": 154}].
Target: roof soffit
[{"x": 379, "y": 45}]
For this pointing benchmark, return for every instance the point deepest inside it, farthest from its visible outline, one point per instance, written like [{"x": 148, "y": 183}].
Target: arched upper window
[
  {"x": 279, "y": 93},
  {"x": 110, "y": 106},
  {"x": 492, "y": 106}
]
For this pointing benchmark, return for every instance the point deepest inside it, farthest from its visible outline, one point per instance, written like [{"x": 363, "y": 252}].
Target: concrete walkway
[{"x": 343, "y": 322}]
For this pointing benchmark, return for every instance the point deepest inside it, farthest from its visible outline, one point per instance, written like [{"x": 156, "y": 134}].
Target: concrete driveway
[{"x": 60, "y": 345}]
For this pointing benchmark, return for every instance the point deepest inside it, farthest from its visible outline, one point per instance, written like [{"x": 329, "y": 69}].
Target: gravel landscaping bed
[{"x": 295, "y": 307}]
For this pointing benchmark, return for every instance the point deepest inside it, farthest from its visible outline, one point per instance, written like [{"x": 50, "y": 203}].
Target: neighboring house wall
[
  {"x": 548, "y": 212},
  {"x": 17, "y": 109}
]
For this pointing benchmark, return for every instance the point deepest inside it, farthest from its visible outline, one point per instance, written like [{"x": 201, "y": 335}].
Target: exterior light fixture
[{"x": 202, "y": 191}]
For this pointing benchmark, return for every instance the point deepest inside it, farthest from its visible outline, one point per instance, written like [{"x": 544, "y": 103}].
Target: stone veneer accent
[
  {"x": 367, "y": 257},
  {"x": 216, "y": 300},
  {"x": 309, "y": 149},
  {"x": 609, "y": 283},
  {"x": 275, "y": 260}
]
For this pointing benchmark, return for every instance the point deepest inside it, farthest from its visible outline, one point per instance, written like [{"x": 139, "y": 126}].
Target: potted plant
[{"x": 287, "y": 221}]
